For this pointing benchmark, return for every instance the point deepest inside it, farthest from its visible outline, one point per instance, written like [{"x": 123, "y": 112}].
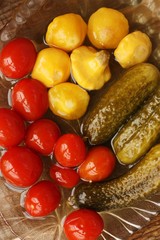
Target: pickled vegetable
[
  {"x": 68, "y": 100},
  {"x": 52, "y": 67},
  {"x": 90, "y": 68},
  {"x": 119, "y": 101},
  {"x": 134, "y": 48},
  {"x": 137, "y": 184},
  {"x": 140, "y": 133},
  {"x": 66, "y": 31},
  {"x": 107, "y": 27}
]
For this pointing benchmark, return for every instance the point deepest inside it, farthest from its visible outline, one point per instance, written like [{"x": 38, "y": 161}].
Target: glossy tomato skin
[
  {"x": 83, "y": 224},
  {"x": 42, "y": 136},
  {"x": 98, "y": 165},
  {"x": 70, "y": 150},
  {"x": 12, "y": 128},
  {"x": 42, "y": 198},
  {"x": 30, "y": 99},
  {"x": 21, "y": 167},
  {"x": 65, "y": 177},
  {"x": 17, "y": 58}
]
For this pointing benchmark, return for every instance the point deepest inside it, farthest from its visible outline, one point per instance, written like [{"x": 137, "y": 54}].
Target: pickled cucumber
[
  {"x": 139, "y": 134},
  {"x": 138, "y": 183},
  {"x": 119, "y": 101}
]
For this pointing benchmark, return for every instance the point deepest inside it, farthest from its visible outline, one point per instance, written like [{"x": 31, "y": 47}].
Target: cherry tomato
[
  {"x": 83, "y": 224},
  {"x": 21, "y": 167},
  {"x": 12, "y": 128},
  {"x": 42, "y": 198},
  {"x": 30, "y": 98},
  {"x": 17, "y": 58},
  {"x": 98, "y": 165},
  {"x": 66, "y": 177},
  {"x": 70, "y": 150},
  {"x": 42, "y": 136}
]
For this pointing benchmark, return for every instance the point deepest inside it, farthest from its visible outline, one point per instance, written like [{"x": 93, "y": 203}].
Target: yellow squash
[
  {"x": 68, "y": 100},
  {"x": 52, "y": 67},
  {"x": 66, "y": 31},
  {"x": 134, "y": 48},
  {"x": 90, "y": 68},
  {"x": 106, "y": 28}
]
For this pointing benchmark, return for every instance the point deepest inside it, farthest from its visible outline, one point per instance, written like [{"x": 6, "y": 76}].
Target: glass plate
[{"x": 31, "y": 20}]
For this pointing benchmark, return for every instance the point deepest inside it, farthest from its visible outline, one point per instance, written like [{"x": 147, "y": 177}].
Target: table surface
[{"x": 152, "y": 230}]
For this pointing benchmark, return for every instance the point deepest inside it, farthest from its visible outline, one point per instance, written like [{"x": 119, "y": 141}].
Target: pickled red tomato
[
  {"x": 42, "y": 198},
  {"x": 42, "y": 135},
  {"x": 21, "y": 167},
  {"x": 17, "y": 58},
  {"x": 65, "y": 177},
  {"x": 70, "y": 150},
  {"x": 30, "y": 98},
  {"x": 12, "y": 128},
  {"x": 98, "y": 165},
  {"x": 84, "y": 224}
]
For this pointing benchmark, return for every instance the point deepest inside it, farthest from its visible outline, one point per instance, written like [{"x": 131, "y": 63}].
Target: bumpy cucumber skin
[
  {"x": 140, "y": 182},
  {"x": 120, "y": 100},
  {"x": 139, "y": 134}
]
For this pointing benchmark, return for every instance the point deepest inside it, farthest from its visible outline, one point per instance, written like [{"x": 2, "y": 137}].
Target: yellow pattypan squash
[
  {"x": 52, "y": 67},
  {"x": 134, "y": 48},
  {"x": 66, "y": 31},
  {"x": 89, "y": 67},
  {"x": 68, "y": 100}
]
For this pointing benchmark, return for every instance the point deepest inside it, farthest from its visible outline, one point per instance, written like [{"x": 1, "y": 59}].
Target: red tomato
[
  {"x": 17, "y": 58},
  {"x": 42, "y": 198},
  {"x": 42, "y": 136},
  {"x": 66, "y": 177},
  {"x": 70, "y": 150},
  {"x": 98, "y": 165},
  {"x": 21, "y": 167},
  {"x": 83, "y": 224},
  {"x": 30, "y": 98},
  {"x": 12, "y": 128}
]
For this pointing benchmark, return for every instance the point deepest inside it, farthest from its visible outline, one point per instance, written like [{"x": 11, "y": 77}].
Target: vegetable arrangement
[
  {"x": 60, "y": 78},
  {"x": 140, "y": 181}
]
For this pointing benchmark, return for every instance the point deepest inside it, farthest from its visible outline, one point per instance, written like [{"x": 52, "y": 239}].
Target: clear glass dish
[{"x": 31, "y": 20}]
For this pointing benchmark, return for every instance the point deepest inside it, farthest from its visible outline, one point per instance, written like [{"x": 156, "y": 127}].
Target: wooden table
[{"x": 152, "y": 230}]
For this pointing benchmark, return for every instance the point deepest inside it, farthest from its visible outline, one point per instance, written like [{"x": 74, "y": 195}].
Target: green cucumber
[
  {"x": 139, "y": 134},
  {"x": 141, "y": 181},
  {"x": 119, "y": 101}
]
